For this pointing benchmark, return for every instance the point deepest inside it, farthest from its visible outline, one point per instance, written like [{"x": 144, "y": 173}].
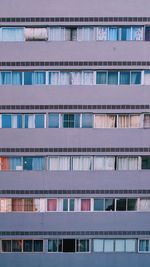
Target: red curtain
[
  {"x": 4, "y": 163},
  {"x": 52, "y": 205},
  {"x": 85, "y": 205}
]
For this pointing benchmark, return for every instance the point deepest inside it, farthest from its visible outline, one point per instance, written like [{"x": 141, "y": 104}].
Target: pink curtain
[
  {"x": 52, "y": 205},
  {"x": 85, "y": 205}
]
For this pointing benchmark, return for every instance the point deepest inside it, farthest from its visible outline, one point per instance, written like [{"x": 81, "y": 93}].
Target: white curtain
[
  {"x": 64, "y": 78},
  {"x": 108, "y": 245},
  {"x": 36, "y": 204},
  {"x": 104, "y": 163},
  {"x": 53, "y": 163},
  {"x": 54, "y": 77},
  {"x": 147, "y": 77},
  {"x": 101, "y": 33},
  {"x": 32, "y": 34},
  {"x": 134, "y": 121},
  {"x": 76, "y": 78},
  {"x": 85, "y": 33},
  {"x": 130, "y": 245},
  {"x": 119, "y": 245},
  {"x": 13, "y": 121},
  {"x": 98, "y": 245},
  {"x": 0, "y": 120},
  {"x": 82, "y": 163},
  {"x": 31, "y": 121},
  {"x": 87, "y": 77},
  {"x": 127, "y": 163},
  {"x": 56, "y": 34},
  {"x": 12, "y": 34},
  {"x": 5, "y": 205},
  {"x": 64, "y": 163},
  {"x": 104, "y": 121},
  {"x": 43, "y": 205},
  {"x": 123, "y": 121},
  {"x": 144, "y": 205},
  {"x": 137, "y": 33}
]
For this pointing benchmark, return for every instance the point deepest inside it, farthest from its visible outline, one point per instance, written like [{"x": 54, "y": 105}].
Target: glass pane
[
  {"x": 145, "y": 163},
  {"x": 6, "y": 121},
  {"x": 65, "y": 204},
  {"x": 87, "y": 120},
  {"x": 119, "y": 245},
  {"x": 53, "y": 120},
  {"x": 98, "y": 245},
  {"x": 137, "y": 33},
  {"x": 38, "y": 164},
  {"x": 16, "y": 245},
  {"x": 85, "y": 204},
  {"x": 124, "y": 77},
  {"x": 28, "y": 204},
  {"x": 52, "y": 204},
  {"x": 101, "y": 77},
  {"x": 108, "y": 245},
  {"x": 6, "y": 77},
  {"x": 17, "y": 78},
  {"x": 82, "y": 163},
  {"x": 136, "y": 77},
  {"x": 109, "y": 204},
  {"x": 132, "y": 204},
  {"x": 39, "y": 121},
  {"x": 121, "y": 204},
  {"x": 113, "y": 34},
  {"x": 112, "y": 77},
  {"x": 101, "y": 33},
  {"x": 98, "y": 204},
  {"x": 146, "y": 122},
  {"x": 28, "y": 77},
  {"x": 144, "y": 245},
  {"x": 27, "y": 163},
  {"x": 71, "y": 120},
  {"x": 126, "y": 33},
  {"x": 27, "y": 245},
  {"x": 130, "y": 245},
  {"x": 52, "y": 245},
  {"x": 147, "y": 33},
  {"x": 15, "y": 163},
  {"x": 38, "y": 245},
  {"x": 6, "y": 245},
  {"x": 71, "y": 205},
  {"x": 82, "y": 245},
  {"x": 39, "y": 77},
  {"x": 54, "y": 77},
  {"x": 12, "y": 34}
]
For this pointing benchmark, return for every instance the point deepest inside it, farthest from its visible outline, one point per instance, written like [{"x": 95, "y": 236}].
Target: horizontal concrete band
[{"x": 74, "y": 192}]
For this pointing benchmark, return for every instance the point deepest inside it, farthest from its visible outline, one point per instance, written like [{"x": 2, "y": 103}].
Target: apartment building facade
[{"x": 74, "y": 133}]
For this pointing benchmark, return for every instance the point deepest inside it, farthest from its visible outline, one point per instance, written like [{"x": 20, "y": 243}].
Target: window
[
  {"x": 76, "y": 78},
  {"x": 87, "y": 78},
  {"x": 147, "y": 33},
  {"x": 104, "y": 121},
  {"x": 147, "y": 77},
  {"x": 52, "y": 205},
  {"x": 37, "y": 77},
  {"x": 124, "y": 77},
  {"x": 144, "y": 245},
  {"x": 36, "y": 34},
  {"x": 54, "y": 77},
  {"x": 38, "y": 245},
  {"x": 59, "y": 163},
  {"x": 144, "y": 204},
  {"x": 126, "y": 33},
  {"x": 121, "y": 204},
  {"x": 131, "y": 204},
  {"x": 101, "y": 77},
  {"x": 12, "y": 34},
  {"x": 68, "y": 204},
  {"x": 53, "y": 120},
  {"x": 145, "y": 163},
  {"x": 55, "y": 245},
  {"x": 101, "y": 33},
  {"x": 85, "y": 204},
  {"x": 71, "y": 120},
  {"x": 113, "y": 34},
  {"x": 113, "y": 77},
  {"x": 128, "y": 121},
  {"x": 6, "y": 245},
  {"x": 98, "y": 245},
  {"x": 33, "y": 163},
  {"x": 34, "y": 121},
  {"x": 82, "y": 163},
  {"x": 16, "y": 245},
  {"x": 87, "y": 120},
  {"x": 135, "y": 77},
  {"x": 146, "y": 122},
  {"x": 98, "y": 204},
  {"x": 27, "y": 204},
  {"x": 11, "y": 120},
  {"x": 65, "y": 78},
  {"x": 57, "y": 34},
  {"x": 127, "y": 163},
  {"x": 85, "y": 34},
  {"x": 130, "y": 245},
  {"x": 69, "y": 245},
  {"x": 137, "y": 33},
  {"x": 109, "y": 204},
  {"x": 108, "y": 245},
  {"x": 104, "y": 163},
  {"x": 82, "y": 245},
  {"x": 119, "y": 245}
]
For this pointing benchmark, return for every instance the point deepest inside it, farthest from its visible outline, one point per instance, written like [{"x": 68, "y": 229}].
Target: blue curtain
[
  {"x": 144, "y": 245},
  {"x": 87, "y": 120},
  {"x": 112, "y": 77},
  {"x": 39, "y": 77},
  {"x": 17, "y": 78},
  {"x": 19, "y": 121},
  {"x": 39, "y": 121},
  {"x": 12, "y": 34},
  {"x": 136, "y": 77},
  {"x": 6, "y": 77},
  {"x": 113, "y": 34},
  {"x": 6, "y": 121},
  {"x": 124, "y": 77},
  {"x": 28, "y": 77},
  {"x": 53, "y": 120},
  {"x": 38, "y": 163},
  {"x": 14, "y": 162},
  {"x": 101, "y": 77},
  {"x": 126, "y": 33}
]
